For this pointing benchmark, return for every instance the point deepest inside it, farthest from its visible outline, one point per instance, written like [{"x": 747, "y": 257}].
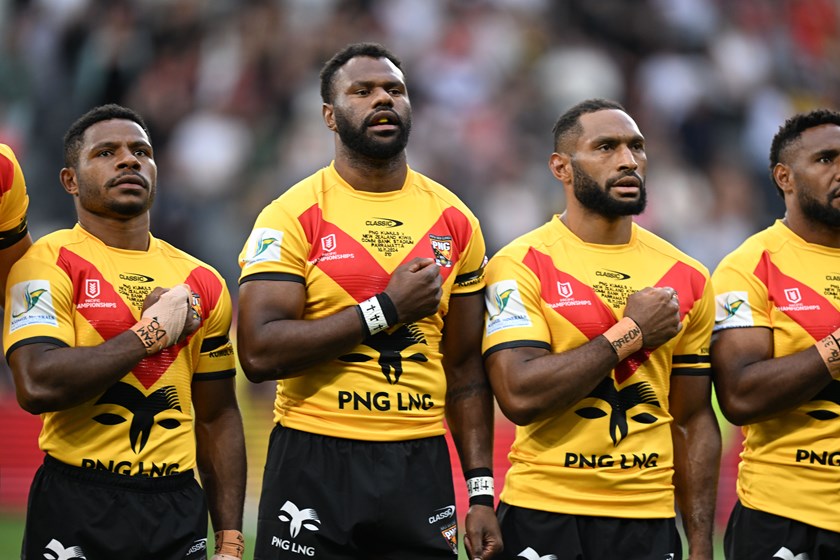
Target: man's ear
[
  {"x": 329, "y": 115},
  {"x": 560, "y": 166},
  {"x": 67, "y": 176},
  {"x": 783, "y": 175}
]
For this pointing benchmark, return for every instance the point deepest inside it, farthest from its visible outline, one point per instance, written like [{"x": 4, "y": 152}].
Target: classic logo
[
  {"x": 441, "y": 514},
  {"x": 92, "y": 287},
  {"x": 328, "y": 243},
  {"x": 299, "y": 518},
  {"x": 57, "y": 551},
  {"x": 620, "y": 403},
  {"x": 143, "y": 410},
  {"x": 793, "y": 295},
  {"x": 135, "y": 277},
  {"x": 531, "y": 554},
  {"x": 442, "y": 249},
  {"x": 383, "y": 222},
  {"x": 564, "y": 289},
  {"x": 613, "y": 274},
  {"x": 263, "y": 245},
  {"x": 390, "y": 347}
]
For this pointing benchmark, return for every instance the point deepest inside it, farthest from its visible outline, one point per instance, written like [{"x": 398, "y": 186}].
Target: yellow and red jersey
[
  {"x": 14, "y": 201},
  {"x": 611, "y": 453},
  {"x": 790, "y": 465},
  {"x": 72, "y": 290},
  {"x": 343, "y": 245}
]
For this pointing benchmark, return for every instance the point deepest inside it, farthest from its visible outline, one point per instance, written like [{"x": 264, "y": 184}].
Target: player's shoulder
[
  {"x": 667, "y": 250},
  {"x": 189, "y": 261},
  {"x": 426, "y": 184},
  {"x": 771, "y": 240}
]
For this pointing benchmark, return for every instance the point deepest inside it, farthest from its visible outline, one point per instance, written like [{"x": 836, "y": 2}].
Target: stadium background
[{"x": 230, "y": 91}]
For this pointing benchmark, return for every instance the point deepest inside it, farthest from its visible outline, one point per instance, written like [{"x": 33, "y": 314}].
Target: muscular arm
[
  {"x": 220, "y": 446},
  {"x": 696, "y": 438},
  {"x": 752, "y": 385},
  {"x": 8, "y": 257},
  {"x": 49, "y": 378},
  {"x": 469, "y": 411},
  {"x": 274, "y": 342},
  {"x": 532, "y": 383}
]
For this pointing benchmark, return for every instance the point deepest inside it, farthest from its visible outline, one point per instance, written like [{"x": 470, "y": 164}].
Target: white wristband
[
  {"x": 480, "y": 486},
  {"x": 373, "y": 315}
]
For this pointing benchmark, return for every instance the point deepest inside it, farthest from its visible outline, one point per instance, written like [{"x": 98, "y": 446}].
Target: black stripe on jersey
[
  {"x": 12, "y": 236},
  {"x": 274, "y": 276},
  {"x": 477, "y": 292},
  {"x": 691, "y": 359},
  {"x": 469, "y": 276},
  {"x": 517, "y": 344},
  {"x": 35, "y": 340},
  {"x": 214, "y": 375},
  {"x": 213, "y": 343},
  {"x": 696, "y": 372}
]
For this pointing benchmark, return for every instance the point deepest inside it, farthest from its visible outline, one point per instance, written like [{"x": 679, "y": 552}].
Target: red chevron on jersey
[
  {"x": 207, "y": 286},
  {"x": 88, "y": 283},
  {"x": 804, "y": 305},
  {"x": 329, "y": 243},
  {"x": 7, "y": 174},
  {"x": 687, "y": 281}
]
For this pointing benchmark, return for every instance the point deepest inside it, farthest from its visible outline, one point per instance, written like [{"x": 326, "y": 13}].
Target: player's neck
[
  {"x": 131, "y": 234},
  {"x": 812, "y": 232},
  {"x": 597, "y": 229},
  {"x": 372, "y": 175}
]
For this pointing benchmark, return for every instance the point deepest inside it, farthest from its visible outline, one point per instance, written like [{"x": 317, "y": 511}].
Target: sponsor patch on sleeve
[
  {"x": 505, "y": 309},
  {"x": 31, "y": 304},
  {"x": 732, "y": 309},
  {"x": 263, "y": 246}
]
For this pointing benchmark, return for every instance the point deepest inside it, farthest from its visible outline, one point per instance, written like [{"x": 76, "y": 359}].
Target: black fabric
[
  {"x": 110, "y": 516},
  {"x": 332, "y": 498},
  {"x": 757, "y": 535},
  {"x": 580, "y": 537}
]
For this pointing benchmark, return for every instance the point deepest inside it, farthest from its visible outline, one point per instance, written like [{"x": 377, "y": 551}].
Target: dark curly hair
[
  {"x": 568, "y": 128},
  {"x": 791, "y": 131},
  {"x": 372, "y": 50},
  {"x": 73, "y": 136}
]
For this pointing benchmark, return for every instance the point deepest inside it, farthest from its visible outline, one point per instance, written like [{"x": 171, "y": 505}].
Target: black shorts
[
  {"x": 332, "y": 498},
  {"x": 580, "y": 537},
  {"x": 105, "y": 516},
  {"x": 756, "y": 535}
]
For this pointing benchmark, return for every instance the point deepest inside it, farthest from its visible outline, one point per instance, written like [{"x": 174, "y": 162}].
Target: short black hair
[
  {"x": 568, "y": 128},
  {"x": 73, "y": 136},
  {"x": 791, "y": 131},
  {"x": 372, "y": 50}
]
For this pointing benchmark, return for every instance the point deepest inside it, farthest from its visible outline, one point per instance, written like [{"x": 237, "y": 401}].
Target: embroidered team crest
[
  {"x": 564, "y": 289},
  {"x": 442, "y": 249},
  {"x": 328, "y": 243},
  {"x": 92, "y": 288},
  {"x": 793, "y": 295}
]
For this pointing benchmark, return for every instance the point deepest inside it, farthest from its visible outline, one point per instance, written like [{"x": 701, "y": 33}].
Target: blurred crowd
[{"x": 229, "y": 89}]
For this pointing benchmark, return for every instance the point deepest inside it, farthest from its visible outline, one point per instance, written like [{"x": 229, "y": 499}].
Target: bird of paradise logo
[
  {"x": 731, "y": 307},
  {"x": 501, "y": 298},
  {"x": 31, "y": 300}
]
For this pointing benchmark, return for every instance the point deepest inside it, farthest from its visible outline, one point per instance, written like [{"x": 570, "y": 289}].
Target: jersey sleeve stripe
[
  {"x": 691, "y": 359},
  {"x": 696, "y": 372},
  {"x": 215, "y": 376},
  {"x": 35, "y": 340},
  {"x": 272, "y": 276},
  {"x": 517, "y": 344}
]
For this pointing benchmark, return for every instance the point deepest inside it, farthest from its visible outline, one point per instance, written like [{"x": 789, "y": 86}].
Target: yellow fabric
[
  {"x": 13, "y": 198},
  {"x": 344, "y": 244},
  {"x": 551, "y": 290},
  {"x": 71, "y": 289},
  {"x": 790, "y": 465}
]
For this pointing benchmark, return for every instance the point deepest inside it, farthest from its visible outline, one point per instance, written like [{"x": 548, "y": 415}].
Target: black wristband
[
  {"x": 388, "y": 308},
  {"x": 365, "y": 329}
]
